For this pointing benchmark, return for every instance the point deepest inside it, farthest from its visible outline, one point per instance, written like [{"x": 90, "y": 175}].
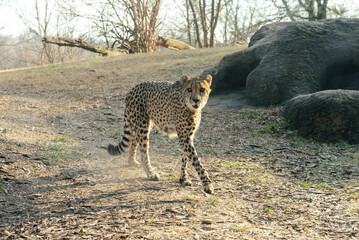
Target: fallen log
[
  {"x": 105, "y": 51},
  {"x": 173, "y": 44},
  {"x": 81, "y": 43}
]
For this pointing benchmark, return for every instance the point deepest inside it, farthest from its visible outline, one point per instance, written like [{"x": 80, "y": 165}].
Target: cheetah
[{"x": 175, "y": 109}]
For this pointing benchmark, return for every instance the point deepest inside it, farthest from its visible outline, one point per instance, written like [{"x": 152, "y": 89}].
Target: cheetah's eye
[
  {"x": 202, "y": 90},
  {"x": 189, "y": 89}
]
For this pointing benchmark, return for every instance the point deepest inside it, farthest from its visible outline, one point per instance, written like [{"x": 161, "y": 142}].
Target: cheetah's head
[{"x": 196, "y": 91}]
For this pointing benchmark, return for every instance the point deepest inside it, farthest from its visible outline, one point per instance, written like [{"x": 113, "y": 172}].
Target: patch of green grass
[
  {"x": 57, "y": 149},
  {"x": 174, "y": 175},
  {"x": 353, "y": 212},
  {"x": 212, "y": 200},
  {"x": 14, "y": 148},
  {"x": 290, "y": 201},
  {"x": 286, "y": 124},
  {"x": 273, "y": 126},
  {"x": 231, "y": 163},
  {"x": 297, "y": 142},
  {"x": 268, "y": 209},
  {"x": 353, "y": 195},
  {"x": 250, "y": 114},
  {"x": 237, "y": 228},
  {"x": 343, "y": 143},
  {"x": 258, "y": 177},
  {"x": 269, "y": 127},
  {"x": 191, "y": 209},
  {"x": 189, "y": 200},
  {"x": 63, "y": 138},
  {"x": 305, "y": 184},
  {"x": 37, "y": 166},
  {"x": 18, "y": 149},
  {"x": 59, "y": 159},
  {"x": 1, "y": 185},
  {"x": 58, "y": 152},
  {"x": 171, "y": 177},
  {"x": 325, "y": 186}
]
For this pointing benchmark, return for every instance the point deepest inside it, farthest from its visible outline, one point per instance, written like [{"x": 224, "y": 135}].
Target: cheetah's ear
[
  {"x": 184, "y": 78},
  {"x": 208, "y": 78}
]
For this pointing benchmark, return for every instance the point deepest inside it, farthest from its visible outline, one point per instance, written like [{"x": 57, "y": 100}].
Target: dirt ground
[{"x": 58, "y": 182}]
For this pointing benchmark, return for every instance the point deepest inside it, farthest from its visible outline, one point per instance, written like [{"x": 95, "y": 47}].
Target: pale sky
[
  {"x": 10, "y": 21},
  {"x": 12, "y": 24}
]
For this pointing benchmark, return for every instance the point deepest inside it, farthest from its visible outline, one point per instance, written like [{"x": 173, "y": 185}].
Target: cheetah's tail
[{"x": 124, "y": 143}]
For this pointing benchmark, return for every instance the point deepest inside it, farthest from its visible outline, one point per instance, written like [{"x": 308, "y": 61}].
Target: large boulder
[
  {"x": 286, "y": 59},
  {"x": 330, "y": 115}
]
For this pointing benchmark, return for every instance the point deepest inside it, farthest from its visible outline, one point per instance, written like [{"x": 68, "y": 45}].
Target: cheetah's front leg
[
  {"x": 189, "y": 154},
  {"x": 201, "y": 171},
  {"x": 183, "y": 174}
]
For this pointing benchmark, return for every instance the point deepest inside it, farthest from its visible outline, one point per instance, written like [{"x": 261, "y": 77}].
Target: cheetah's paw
[
  {"x": 185, "y": 182},
  {"x": 208, "y": 188},
  {"x": 154, "y": 177},
  {"x": 134, "y": 164}
]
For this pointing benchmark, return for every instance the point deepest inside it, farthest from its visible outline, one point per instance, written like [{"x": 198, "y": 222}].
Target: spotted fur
[{"x": 175, "y": 109}]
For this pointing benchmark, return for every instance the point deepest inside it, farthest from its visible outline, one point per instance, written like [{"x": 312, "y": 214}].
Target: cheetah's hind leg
[
  {"x": 143, "y": 139},
  {"x": 132, "y": 154}
]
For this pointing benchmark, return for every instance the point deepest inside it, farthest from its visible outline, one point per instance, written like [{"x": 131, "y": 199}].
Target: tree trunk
[
  {"x": 195, "y": 24},
  {"x": 202, "y": 10},
  {"x": 322, "y": 9},
  {"x": 308, "y": 6},
  {"x": 214, "y": 21},
  {"x": 188, "y": 19},
  {"x": 226, "y": 19},
  {"x": 105, "y": 51}
]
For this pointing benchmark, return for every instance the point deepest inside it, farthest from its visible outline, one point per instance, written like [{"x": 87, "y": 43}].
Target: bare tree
[
  {"x": 241, "y": 19},
  {"x": 205, "y": 19},
  {"x": 48, "y": 18},
  {"x": 131, "y": 24},
  {"x": 144, "y": 16},
  {"x": 310, "y": 10},
  {"x": 43, "y": 30}
]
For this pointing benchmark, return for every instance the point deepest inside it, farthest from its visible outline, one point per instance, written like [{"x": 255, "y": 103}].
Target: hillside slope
[{"x": 57, "y": 180}]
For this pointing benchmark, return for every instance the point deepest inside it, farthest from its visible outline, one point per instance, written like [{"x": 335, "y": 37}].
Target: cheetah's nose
[{"x": 196, "y": 100}]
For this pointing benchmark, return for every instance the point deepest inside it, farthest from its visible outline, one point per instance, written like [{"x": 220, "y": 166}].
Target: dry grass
[{"x": 57, "y": 181}]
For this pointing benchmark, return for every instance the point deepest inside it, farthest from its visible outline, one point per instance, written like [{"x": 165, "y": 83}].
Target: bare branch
[
  {"x": 288, "y": 11},
  {"x": 80, "y": 43}
]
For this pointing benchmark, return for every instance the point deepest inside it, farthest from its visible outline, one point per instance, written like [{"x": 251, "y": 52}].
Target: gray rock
[
  {"x": 329, "y": 115},
  {"x": 291, "y": 58}
]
